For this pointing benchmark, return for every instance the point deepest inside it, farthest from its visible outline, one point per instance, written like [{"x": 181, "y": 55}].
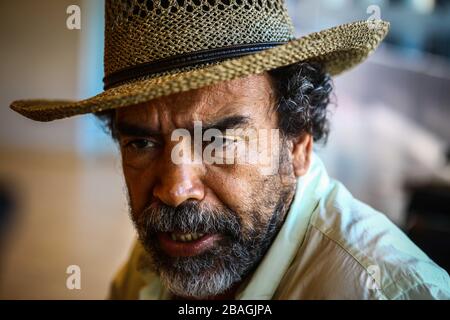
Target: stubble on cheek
[{"x": 258, "y": 209}]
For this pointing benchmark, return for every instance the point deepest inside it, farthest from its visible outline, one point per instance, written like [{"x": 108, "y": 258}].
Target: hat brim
[{"x": 338, "y": 49}]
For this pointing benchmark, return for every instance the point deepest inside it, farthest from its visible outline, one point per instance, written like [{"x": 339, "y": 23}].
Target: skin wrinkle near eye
[{"x": 128, "y": 131}]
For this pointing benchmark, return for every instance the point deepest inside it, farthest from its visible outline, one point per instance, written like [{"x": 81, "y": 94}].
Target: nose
[{"x": 177, "y": 183}]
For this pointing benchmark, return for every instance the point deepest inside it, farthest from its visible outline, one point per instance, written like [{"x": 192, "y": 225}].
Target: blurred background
[{"x": 62, "y": 197}]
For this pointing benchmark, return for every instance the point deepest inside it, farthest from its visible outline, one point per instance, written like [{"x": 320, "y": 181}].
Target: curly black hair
[{"x": 303, "y": 93}]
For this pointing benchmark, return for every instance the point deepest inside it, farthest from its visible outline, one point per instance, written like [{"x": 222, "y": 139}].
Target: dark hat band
[{"x": 184, "y": 60}]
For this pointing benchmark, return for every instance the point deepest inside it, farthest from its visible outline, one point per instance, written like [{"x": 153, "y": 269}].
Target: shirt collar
[{"x": 266, "y": 278}]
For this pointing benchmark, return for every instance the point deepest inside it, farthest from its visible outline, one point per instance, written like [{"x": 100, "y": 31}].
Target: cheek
[
  {"x": 241, "y": 188},
  {"x": 139, "y": 184}
]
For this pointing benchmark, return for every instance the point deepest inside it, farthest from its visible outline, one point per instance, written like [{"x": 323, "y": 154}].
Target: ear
[{"x": 301, "y": 154}]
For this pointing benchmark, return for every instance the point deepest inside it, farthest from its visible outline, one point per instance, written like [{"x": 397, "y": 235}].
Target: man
[{"x": 216, "y": 107}]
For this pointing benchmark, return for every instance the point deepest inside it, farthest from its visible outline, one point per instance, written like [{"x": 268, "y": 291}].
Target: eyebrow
[
  {"x": 229, "y": 122},
  {"x": 134, "y": 130}
]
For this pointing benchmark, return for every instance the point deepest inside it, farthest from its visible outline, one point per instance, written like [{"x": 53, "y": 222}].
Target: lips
[{"x": 177, "y": 244}]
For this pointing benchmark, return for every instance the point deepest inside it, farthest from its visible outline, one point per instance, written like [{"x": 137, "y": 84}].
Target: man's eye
[
  {"x": 221, "y": 141},
  {"x": 141, "y": 144}
]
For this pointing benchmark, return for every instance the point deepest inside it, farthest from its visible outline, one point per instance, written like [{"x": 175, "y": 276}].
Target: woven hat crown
[{"x": 142, "y": 31}]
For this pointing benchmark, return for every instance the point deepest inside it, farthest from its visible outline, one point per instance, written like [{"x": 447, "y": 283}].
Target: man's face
[{"x": 205, "y": 224}]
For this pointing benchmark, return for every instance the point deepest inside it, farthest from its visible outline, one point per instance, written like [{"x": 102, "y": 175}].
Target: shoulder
[
  {"x": 351, "y": 251},
  {"x": 128, "y": 281}
]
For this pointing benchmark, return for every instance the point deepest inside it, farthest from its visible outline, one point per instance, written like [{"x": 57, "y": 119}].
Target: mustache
[{"x": 189, "y": 217}]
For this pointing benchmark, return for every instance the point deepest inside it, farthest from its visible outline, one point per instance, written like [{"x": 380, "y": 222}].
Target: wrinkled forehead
[{"x": 251, "y": 97}]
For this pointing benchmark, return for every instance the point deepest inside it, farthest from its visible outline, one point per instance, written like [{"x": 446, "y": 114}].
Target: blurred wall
[
  {"x": 67, "y": 210},
  {"x": 38, "y": 60}
]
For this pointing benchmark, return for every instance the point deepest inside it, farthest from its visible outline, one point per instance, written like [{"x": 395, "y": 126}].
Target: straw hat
[{"x": 154, "y": 48}]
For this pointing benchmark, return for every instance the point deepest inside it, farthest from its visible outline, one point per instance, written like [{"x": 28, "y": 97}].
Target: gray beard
[{"x": 212, "y": 272}]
